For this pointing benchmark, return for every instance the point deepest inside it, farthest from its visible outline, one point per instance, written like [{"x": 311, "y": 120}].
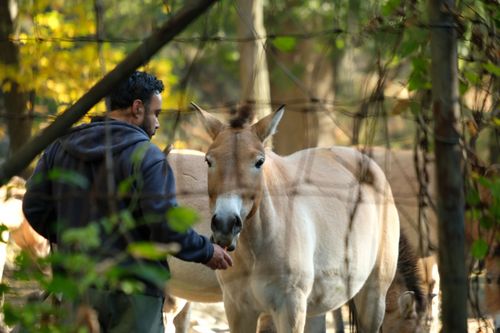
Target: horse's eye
[
  {"x": 208, "y": 162},
  {"x": 259, "y": 162}
]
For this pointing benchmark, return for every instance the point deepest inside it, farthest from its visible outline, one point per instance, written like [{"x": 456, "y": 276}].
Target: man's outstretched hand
[{"x": 220, "y": 259}]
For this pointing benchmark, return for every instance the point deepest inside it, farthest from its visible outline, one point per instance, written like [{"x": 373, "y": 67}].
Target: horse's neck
[{"x": 267, "y": 222}]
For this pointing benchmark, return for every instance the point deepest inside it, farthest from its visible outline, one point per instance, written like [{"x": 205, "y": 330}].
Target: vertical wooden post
[
  {"x": 254, "y": 74},
  {"x": 449, "y": 164},
  {"x": 17, "y": 114}
]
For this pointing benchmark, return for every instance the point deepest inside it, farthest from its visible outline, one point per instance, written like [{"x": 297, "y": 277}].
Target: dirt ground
[
  {"x": 205, "y": 317},
  {"x": 210, "y": 318}
]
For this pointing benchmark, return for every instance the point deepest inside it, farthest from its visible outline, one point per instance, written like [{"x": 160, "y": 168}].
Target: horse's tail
[{"x": 353, "y": 317}]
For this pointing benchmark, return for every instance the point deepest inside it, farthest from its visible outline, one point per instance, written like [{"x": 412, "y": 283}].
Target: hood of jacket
[{"x": 90, "y": 141}]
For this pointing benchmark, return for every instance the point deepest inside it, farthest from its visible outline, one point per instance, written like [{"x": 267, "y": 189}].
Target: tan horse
[
  {"x": 310, "y": 231},
  {"x": 405, "y": 307}
]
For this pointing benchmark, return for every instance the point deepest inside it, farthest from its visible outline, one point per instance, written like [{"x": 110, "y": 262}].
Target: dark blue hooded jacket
[{"x": 73, "y": 186}]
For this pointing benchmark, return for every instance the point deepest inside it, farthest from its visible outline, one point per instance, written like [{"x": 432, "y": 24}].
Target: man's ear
[
  {"x": 137, "y": 109},
  {"x": 212, "y": 124}
]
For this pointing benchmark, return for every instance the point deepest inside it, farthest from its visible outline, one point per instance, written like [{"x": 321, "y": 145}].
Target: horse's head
[{"x": 235, "y": 159}]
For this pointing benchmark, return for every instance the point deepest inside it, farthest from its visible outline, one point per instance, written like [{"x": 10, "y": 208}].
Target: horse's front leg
[
  {"x": 290, "y": 316},
  {"x": 241, "y": 318}
]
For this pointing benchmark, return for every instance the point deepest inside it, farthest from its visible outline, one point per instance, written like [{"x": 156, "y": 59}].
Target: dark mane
[
  {"x": 243, "y": 117},
  {"x": 408, "y": 268}
]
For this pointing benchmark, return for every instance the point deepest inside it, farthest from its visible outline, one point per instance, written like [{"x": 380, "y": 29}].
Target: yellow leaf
[{"x": 7, "y": 86}]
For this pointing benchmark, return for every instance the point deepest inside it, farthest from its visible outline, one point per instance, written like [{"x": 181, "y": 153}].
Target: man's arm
[{"x": 157, "y": 197}]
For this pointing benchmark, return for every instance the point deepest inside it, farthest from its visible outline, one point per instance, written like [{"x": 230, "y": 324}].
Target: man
[{"x": 106, "y": 174}]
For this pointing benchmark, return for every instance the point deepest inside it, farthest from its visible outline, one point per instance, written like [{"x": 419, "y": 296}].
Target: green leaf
[
  {"x": 462, "y": 87},
  {"x": 473, "y": 197},
  {"x": 407, "y": 47},
  {"x": 389, "y": 7},
  {"x": 125, "y": 186},
  {"x": 139, "y": 153},
  {"x": 495, "y": 212},
  {"x": 472, "y": 77},
  {"x": 127, "y": 220},
  {"x": 339, "y": 43},
  {"x": 486, "y": 222},
  {"x": 69, "y": 177},
  {"x": 149, "y": 250},
  {"x": 479, "y": 248},
  {"x": 152, "y": 273},
  {"x": 12, "y": 315},
  {"x": 417, "y": 81},
  {"x": 181, "y": 219},
  {"x": 285, "y": 44},
  {"x": 65, "y": 285},
  {"x": 130, "y": 287},
  {"x": 4, "y": 288},
  {"x": 418, "y": 77},
  {"x": 86, "y": 237},
  {"x": 492, "y": 68}
]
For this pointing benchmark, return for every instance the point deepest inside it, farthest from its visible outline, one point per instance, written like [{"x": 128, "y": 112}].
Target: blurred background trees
[{"x": 356, "y": 72}]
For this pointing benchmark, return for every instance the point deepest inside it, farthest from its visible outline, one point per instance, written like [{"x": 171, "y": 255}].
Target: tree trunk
[
  {"x": 18, "y": 118},
  {"x": 254, "y": 75},
  {"x": 449, "y": 165},
  {"x": 494, "y": 143},
  {"x": 303, "y": 92}
]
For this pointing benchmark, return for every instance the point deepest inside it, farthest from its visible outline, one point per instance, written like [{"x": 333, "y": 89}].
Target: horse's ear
[
  {"x": 212, "y": 124},
  {"x": 406, "y": 302},
  {"x": 266, "y": 127}
]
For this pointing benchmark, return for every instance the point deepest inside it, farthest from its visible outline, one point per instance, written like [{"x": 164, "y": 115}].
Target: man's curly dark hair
[{"x": 139, "y": 85}]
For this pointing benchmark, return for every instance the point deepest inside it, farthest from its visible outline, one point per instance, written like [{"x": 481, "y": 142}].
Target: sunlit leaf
[
  {"x": 130, "y": 287},
  {"x": 339, "y": 43},
  {"x": 65, "y": 285},
  {"x": 285, "y": 43},
  {"x": 148, "y": 250},
  {"x": 479, "y": 248},
  {"x": 126, "y": 221},
  {"x": 389, "y": 6},
  {"x": 181, "y": 219},
  {"x": 69, "y": 177},
  {"x": 473, "y": 77},
  {"x": 86, "y": 237},
  {"x": 492, "y": 68}
]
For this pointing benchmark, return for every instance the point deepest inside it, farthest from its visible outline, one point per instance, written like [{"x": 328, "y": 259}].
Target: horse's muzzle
[{"x": 231, "y": 247}]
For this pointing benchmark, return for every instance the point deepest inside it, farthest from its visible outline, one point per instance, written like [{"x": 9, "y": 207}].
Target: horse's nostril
[
  {"x": 213, "y": 225},
  {"x": 237, "y": 225}
]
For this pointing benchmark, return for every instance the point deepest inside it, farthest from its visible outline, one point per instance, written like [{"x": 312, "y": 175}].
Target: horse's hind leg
[
  {"x": 369, "y": 307},
  {"x": 369, "y": 302}
]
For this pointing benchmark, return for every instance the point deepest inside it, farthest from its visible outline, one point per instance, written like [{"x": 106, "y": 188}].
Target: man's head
[{"x": 138, "y": 101}]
